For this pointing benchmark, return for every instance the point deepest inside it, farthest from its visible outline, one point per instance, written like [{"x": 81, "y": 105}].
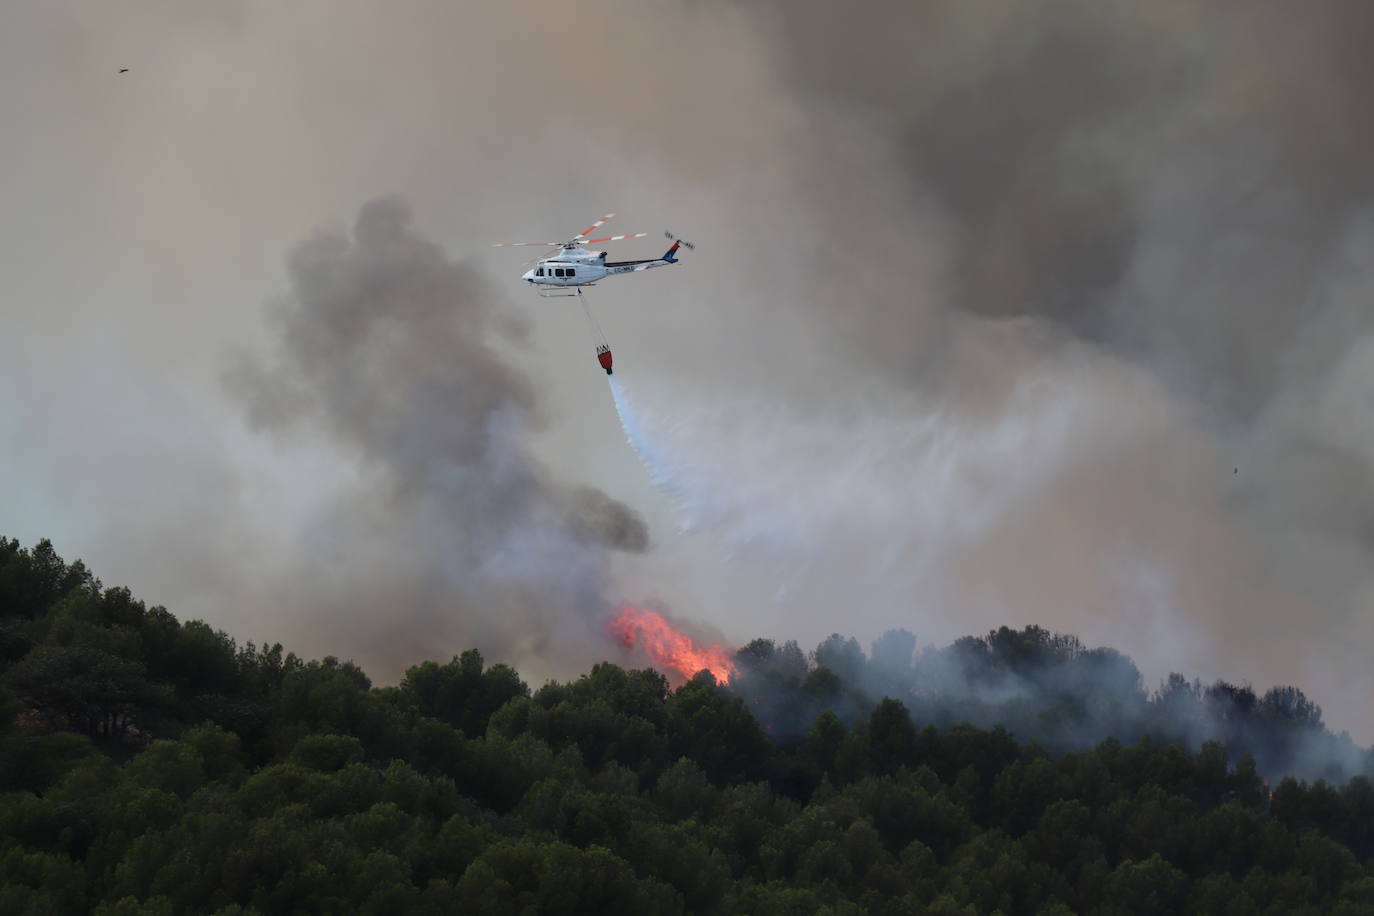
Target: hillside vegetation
[{"x": 153, "y": 766}]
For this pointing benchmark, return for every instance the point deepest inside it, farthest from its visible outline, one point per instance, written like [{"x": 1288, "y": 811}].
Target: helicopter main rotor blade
[
  {"x": 585, "y": 232},
  {"x": 615, "y": 238},
  {"x": 518, "y": 244}
]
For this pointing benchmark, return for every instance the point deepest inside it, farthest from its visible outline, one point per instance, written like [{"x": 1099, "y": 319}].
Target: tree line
[{"x": 153, "y": 766}]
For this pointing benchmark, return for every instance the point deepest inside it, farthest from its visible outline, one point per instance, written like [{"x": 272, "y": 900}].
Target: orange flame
[{"x": 667, "y": 647}]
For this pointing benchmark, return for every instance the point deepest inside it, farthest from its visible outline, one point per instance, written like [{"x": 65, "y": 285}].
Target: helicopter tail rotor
[{"x": 683, "y": 242}]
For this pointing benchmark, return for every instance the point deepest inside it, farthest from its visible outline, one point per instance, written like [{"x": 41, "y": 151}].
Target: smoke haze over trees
[
  {"x": 1056, "y": 314},
  {"x": 384, "y": 353},
  {"x": 150, "y": 765}
]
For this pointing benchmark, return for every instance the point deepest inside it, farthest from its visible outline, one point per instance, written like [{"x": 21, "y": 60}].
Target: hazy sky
[{"x": 1051, "y": 313}]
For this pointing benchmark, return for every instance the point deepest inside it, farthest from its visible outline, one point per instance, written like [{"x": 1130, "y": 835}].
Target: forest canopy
[{"x": 150, "y": 765}]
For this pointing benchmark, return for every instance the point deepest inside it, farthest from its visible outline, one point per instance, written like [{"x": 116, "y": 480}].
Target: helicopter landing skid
[{"x": 562, "y": 292}]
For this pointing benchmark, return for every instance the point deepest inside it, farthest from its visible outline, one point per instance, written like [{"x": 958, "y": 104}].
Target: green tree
[
  {"x": 1148, "y": 887},
  {"x": 86, "y": 689},
  {"x": 824, "y": 740},
  {"x": 891, "y": 736},
  {"x": 556, "y": 878},
  {"x": 842, "y": 656},
  {"x": 683, "y": 791},
  {"x": 461, "y": 692},
  {"x": 717, "y": 732}
]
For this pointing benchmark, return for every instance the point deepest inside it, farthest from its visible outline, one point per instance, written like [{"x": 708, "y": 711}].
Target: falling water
[
  {"x": 661, "y": 471},
  {"x": 658, "y": 469}
]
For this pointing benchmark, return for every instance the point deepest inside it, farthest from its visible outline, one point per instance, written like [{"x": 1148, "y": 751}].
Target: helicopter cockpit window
[{"x": 539, "y": 272}]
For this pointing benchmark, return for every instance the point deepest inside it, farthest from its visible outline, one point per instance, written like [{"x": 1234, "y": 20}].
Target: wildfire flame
[{"x": 667, "y": 647}]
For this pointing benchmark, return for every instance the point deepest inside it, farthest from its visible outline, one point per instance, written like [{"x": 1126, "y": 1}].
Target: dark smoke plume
[
  {"x": 453, "y": 535},
  {"x": 1175, "y": 182},
  {"x": 609, "y": 521}
]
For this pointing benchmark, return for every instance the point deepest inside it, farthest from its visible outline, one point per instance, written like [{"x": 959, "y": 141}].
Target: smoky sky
[
  {"x": 1173, "y": 183},
  {"x": 1100, "y": 385},
  {"x": 1048, "y": 313}
]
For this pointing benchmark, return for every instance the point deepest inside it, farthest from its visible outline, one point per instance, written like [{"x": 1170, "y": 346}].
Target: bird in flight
[{"x": 125, "y": 70}]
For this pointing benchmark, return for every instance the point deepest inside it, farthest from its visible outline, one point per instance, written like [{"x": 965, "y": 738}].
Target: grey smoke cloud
[
  {"x": 987, "y": 304},
  {"x": 387, "y": 351},
  {"x": 1095, "y": 385},
  {"x": 1173, "y": 182},
  {"x": 608, "y": 521}
]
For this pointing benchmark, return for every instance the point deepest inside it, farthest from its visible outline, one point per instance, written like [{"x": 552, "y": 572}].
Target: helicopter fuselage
[{"x": 574, "y": 266}]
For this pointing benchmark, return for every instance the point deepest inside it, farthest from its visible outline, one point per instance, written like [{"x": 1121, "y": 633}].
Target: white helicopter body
[{"x": 574, "y": 266}]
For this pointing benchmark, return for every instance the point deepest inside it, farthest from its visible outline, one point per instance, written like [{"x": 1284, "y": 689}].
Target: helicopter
[{"x": 574, "y": 267}]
